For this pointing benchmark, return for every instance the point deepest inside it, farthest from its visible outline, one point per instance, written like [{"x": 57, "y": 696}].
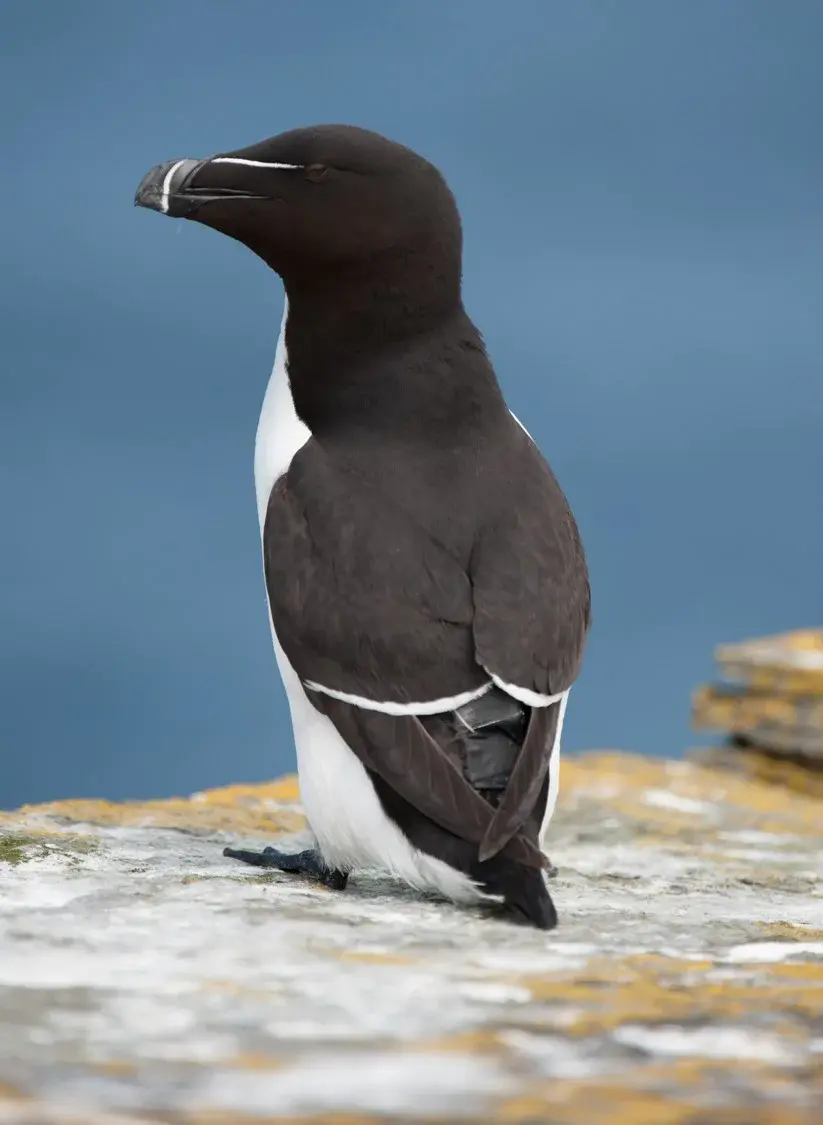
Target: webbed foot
[{"x": 308, "y": 863}]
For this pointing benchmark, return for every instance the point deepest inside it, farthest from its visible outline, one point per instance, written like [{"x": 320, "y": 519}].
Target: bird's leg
[{"x": 308, "y": 863}]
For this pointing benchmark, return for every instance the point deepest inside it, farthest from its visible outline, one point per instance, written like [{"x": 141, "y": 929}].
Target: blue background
[{"x": 641, "y": 191}]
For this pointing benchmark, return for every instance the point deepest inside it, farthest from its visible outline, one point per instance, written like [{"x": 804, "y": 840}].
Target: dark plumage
[{"x": 417, "y": 545}]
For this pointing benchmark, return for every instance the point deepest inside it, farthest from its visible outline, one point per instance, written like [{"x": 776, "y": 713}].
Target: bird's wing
[
  {"x": 376, "y": 618},
  {"x": 532, "y": 609},
  {"x": 400, "y": 750}
]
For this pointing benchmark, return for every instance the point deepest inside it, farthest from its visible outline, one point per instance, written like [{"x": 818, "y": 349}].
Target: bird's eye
[{"x": 316, "y": 172}]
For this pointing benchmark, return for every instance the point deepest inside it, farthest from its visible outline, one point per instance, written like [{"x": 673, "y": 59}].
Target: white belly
[
  {"x": 554, "y": 773},
  {"x": 344, "y": 812}
]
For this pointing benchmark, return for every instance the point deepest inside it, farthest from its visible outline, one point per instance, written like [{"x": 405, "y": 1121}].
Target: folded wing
[{"x": 383, "y": 625}]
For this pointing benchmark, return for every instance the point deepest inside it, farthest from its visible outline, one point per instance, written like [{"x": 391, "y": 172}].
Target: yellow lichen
[
  {"x": 620, "y": 781},
  {"x": 786, "y": 931},
  {"x": 791, "y": 663},
  {"x": 246, "y": 810},
  {"x": 652, "y": 989},
  {"x": 482, "y": 1041},
  {"x": 366, "y": 957},
  {"x": 567, "y": 1102}
]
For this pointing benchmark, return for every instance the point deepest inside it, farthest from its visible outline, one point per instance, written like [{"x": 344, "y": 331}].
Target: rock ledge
[{"x": 145, "y": 978}]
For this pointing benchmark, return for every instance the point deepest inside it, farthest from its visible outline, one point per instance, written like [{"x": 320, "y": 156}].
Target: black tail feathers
[{"x": 526, "y": 898}]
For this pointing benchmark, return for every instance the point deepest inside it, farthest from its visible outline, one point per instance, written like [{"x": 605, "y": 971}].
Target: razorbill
[{"x": 428, "y": 591}]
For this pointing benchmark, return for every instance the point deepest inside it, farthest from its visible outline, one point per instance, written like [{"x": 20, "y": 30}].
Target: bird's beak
[
  {"x": 179, "y": 188},
  {"x": 163, "y": 189}
]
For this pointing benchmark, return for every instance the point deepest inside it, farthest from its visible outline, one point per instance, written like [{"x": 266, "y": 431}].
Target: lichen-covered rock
[
  {"x": 771, "y": 695},
  {"x": 143, "y": 977}
]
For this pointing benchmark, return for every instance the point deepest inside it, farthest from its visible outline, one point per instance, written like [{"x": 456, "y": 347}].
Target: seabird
[{"x": 428, "y": 591}]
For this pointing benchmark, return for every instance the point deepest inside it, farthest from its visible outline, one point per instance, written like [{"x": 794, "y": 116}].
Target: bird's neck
[{"x": 385, "y": 347}]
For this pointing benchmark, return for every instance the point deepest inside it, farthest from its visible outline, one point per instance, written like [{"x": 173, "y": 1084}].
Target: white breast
[
  {"x": 343, "y": 810},
  {"x": 554, "y": 771},
  {"x": 280, "y": 433}
]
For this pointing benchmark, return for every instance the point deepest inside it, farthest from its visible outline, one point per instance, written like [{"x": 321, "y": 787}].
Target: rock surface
[
  {"x": 145, "y": 978},
  {"x": 770, "y": 695}
]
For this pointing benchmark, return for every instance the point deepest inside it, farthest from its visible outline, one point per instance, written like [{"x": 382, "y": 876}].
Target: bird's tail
[{"x": 526, "y": 897}]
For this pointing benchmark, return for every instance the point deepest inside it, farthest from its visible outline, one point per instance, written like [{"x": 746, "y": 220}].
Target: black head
[{"x": 314, "y": 198}]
